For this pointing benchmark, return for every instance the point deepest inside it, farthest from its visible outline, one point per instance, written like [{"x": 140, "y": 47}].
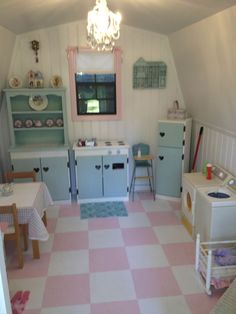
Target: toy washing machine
[
  {"x": 191, "y": 182},
  {"x": 215, "y": 212}
]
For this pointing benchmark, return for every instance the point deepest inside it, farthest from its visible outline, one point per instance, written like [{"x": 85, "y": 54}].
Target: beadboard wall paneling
[
  {"x": 7, "y": 40},
  {"x": 217, "y": 146},
  {"x": 141, "y": 109}
]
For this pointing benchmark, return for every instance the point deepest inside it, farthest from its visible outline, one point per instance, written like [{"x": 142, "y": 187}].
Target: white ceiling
[{"x": 162, "y": 16}]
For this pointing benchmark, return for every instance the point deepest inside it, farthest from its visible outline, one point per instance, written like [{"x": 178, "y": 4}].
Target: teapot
[
  {"x": 7, "y": 189},
  {"x": 37, "y": 123}
]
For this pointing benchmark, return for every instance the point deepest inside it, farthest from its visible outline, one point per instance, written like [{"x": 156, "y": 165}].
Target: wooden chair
[
  {"x": 12, "y": 175},
  {"x": 13, "y": 230}
]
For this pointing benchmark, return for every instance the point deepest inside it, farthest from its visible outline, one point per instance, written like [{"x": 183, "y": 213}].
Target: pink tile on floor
[
  {"x": 145, "y": 195},
  {"x": 139, "y": 236},
  {"x": 135, "y": 206},
  {"x": 103, "y": 223},
  {"x": 202, "y": 303},
  {"x": 66, "y": 290},
  {"x": 163, "y": 218},
  {"x": 72, "y": 210},
  {"x": 155, "y": 282},
  {"x": 180, "y": 253},
  {"x": 126, "y": 307},
  {"x": 51, "y": 225},
  {"x": 108, "y": 259},
  {"x": 32, "y": 267},
  {"x": 70, "y": 241}
]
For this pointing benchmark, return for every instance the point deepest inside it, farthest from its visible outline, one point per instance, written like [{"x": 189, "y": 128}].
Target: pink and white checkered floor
[{"x": 140, "y": 264}]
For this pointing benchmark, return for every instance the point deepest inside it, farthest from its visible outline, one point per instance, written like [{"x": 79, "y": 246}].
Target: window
[
  {"x": 100, "y": 98},
  {"x": 95, "y": 94}
]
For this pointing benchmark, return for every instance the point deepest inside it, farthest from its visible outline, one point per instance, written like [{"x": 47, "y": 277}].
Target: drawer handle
[
  {"x": 106, "y": 166},
  {"x": 161, "y": 157},
  {"x": 36, "y": 170},
  {"x": 98, "y": 167},
  {"x": 162, "y": 134},
  {"x": 45, "y": 169}
]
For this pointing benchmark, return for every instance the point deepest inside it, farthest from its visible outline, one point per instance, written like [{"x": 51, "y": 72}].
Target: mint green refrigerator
[{"x": 173, "y": 152}]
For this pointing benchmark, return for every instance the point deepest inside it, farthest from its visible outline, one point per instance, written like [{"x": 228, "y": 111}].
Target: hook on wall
[{"x": 35, "y": 48}]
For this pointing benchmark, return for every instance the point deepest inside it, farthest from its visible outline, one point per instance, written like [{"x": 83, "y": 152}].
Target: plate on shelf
[
  {"x": 18, "y": 123},
  {"x": 38, "y": 103},
  {"x": 59, "y": 122},
  {"x": 28, "y": 123},
  {"x": 56, "y": 81},
  {"x": 15, "y": 82}
]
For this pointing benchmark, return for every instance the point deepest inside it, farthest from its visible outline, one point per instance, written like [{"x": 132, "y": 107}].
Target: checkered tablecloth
[{"x": 31, "y": 199}]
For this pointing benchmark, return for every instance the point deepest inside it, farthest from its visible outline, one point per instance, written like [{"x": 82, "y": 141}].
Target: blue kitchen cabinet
[
  {"x": 102, "y": 176},
  {"x": 89, "y": 174},
  {"x": 39, "y": 137},
  {"x": 102, "y": 171},
  {"x": 53, "y": 171},
  {"x": 173, "y": 154}
]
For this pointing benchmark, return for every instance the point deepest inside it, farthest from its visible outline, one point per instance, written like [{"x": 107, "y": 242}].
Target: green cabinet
[
  {"x": 172, "y": 156},
  {"x": 37, "y": 117},
  {"x": 101, "y": 172},
  {"x": 38, "y": 136},
  {"x": 52, "y": 170}
]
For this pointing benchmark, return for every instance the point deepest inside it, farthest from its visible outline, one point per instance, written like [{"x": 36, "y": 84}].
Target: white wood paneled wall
[
  {"x": 217, "y": 146},
  {"x": 141, "y": 109}
]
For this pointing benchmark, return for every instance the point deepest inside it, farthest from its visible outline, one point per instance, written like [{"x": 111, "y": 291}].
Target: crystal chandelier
[{"x": 103, "y": 26}]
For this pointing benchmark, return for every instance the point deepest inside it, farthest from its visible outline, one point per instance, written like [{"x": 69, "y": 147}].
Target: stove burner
[
  {"x": 121, "y": 143},
  {"x": 108, "y": 143}
]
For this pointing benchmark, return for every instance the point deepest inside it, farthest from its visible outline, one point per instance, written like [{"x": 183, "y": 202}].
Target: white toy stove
[
  {"x": 216, "y": 212},
  {"x": 191, "y": 182}
]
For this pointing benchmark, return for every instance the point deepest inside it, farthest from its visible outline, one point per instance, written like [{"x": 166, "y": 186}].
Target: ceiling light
[{"x": 103, "y": 26}]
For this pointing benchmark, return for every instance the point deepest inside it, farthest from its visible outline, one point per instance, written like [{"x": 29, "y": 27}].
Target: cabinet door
[
  {"x": 89, "y": 176},
  {"x": 115, "y": 176},
  {"x": 169, "y": 171},
  {"x": 56, "y": 177},
  {"x": 170, "y": 134},
  {"x": 28, "y": 164}
]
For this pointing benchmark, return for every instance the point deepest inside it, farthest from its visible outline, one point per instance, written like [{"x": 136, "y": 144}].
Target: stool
[{"x": 144, "y": 161}]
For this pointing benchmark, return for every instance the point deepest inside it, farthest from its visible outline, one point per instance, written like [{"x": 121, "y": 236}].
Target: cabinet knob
[
  {"x": 98, "y": 167},
  {"x": 162, "y": 134},
  {"x": 45, "y": 169},
  {"x": 106, "y": 166},
  {"x": 161, "y": 157},
  {"x": 36, "y": 170},
  {"x": 118, "y": 152},
  {"x": 109, "y": 152}
]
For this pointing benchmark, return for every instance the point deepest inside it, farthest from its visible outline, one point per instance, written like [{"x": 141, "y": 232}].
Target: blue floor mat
[{"x": 103, "y": 209}]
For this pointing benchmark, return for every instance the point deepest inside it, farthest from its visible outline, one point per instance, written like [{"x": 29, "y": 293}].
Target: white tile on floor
[
  {"x": 172, "y": 234},
  {"x": 34, "y": 285},
  {"x": 53, "y": 211},
  {"x": 71, "y": 224},
  {"x": 111, "y": 286},
  {"x": 79, "y": 309},
  {"x": 105, "y": 238},
  {"x": 146, "y": 256},
  {"x": 157, "y": 206},
  {"x": 69, "y": 263},
  {"x": 134, "y": 220},
  {"x": 165, "y": 305},
  {"x": 187, "y": 279}
]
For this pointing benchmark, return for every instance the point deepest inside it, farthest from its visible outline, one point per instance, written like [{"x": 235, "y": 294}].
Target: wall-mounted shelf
[{"x": 149, "y": 74}]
